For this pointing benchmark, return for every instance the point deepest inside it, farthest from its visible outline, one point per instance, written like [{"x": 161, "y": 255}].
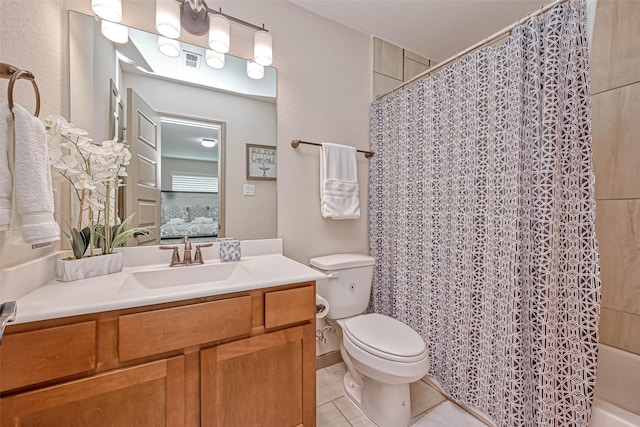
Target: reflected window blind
[{"x": 194, "y": 183}]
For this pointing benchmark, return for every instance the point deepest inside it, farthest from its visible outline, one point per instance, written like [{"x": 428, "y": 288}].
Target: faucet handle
[
  {"x": 175, "y": 256},
  {"x": 198, "y": 256}
]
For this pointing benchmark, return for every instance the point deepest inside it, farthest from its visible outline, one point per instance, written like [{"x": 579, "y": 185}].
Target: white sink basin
[{"x": 184, "y": 276}]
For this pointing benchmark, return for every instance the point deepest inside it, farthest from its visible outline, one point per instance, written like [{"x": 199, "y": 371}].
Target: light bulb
[
  {"x": 111, "y": 10},
  {"x": 219, "y": 33},
  {"x": 115, "y": 32},
  {"x": 208, "y": 143},
  {"x": 168, "y": 18},
  {"x": 169, "y": 47},
  {"x": 255, "y": 71},
  {"x": 262, "y": 48},
  {"x": 214, "y": 59}
]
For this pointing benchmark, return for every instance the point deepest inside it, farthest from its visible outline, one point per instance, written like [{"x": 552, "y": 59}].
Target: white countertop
[{"x": 56, "y": 299}]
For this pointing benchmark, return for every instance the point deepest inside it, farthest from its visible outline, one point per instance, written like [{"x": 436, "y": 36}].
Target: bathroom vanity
[{"x": 231, "y": 358}]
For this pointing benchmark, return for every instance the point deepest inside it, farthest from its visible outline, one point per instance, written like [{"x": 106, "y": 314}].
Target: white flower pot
[{"x": 98, "y": 265}]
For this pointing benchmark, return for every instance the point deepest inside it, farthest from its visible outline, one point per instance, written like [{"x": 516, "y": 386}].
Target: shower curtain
[{"x": 481, "y": 220}]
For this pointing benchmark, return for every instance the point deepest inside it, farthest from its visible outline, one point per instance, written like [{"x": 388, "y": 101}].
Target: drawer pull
[{"x": 8, "y": 312}]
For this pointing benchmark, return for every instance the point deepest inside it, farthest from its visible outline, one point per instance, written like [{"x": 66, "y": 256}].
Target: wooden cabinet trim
[
  {"x": 102, "y": 383},
  {"x": 257, "y": 343},
  {"x": 44, "y": 355},
  {"x": 289, "y": 306},
  {"x": 161, "y": 331}
]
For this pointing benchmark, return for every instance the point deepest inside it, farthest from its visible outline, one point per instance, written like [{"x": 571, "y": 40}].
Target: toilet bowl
[{"x": 383, "y": 355}]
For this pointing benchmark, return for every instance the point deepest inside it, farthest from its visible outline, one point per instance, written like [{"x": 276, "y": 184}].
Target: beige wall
[
  {"x": 615, "y": 88},
  {"x": 324, "y": 93},
  {"x": 31, "y": 38}
]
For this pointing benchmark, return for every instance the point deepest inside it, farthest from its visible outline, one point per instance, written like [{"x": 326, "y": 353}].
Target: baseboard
[{"x": 328, "y": 359}]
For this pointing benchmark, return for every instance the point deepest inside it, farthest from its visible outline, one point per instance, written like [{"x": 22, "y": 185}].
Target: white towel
[
  {"x": 6, "y": 181},
  {"x": 32, "y": 211},
  {"x": 339, "y": 190}
]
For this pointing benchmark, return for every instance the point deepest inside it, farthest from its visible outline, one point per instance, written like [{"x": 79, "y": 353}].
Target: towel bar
[{"x": 296, "y": 142}]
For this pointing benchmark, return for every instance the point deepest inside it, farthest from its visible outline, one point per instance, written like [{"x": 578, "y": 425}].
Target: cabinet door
[
  {"x": 145, "y": 395},
  {"x": 266, "y": 380}
]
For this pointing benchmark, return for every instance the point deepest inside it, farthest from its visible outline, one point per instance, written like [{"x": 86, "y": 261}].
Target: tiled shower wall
[
  {"x": 393, "y": 65},
  {"x": 615, "y": 89}
]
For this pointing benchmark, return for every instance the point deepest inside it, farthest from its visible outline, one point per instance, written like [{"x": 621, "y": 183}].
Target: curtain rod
[{"x": 474, "y": 47}]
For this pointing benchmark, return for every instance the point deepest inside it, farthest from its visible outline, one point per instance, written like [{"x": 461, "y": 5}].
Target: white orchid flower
[
  {"x": 83, "y": 181},
  {"x": 112, "y": 146}
]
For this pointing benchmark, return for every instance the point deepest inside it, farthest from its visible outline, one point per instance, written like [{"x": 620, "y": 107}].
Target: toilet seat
[{"x": 385, "y": 337}]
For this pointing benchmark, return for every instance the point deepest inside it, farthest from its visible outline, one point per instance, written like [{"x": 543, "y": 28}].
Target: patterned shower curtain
[{"x": 481, "y": 218}]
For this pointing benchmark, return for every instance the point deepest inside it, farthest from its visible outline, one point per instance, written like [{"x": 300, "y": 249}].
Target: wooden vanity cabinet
[{"x": 242, "y": 359}]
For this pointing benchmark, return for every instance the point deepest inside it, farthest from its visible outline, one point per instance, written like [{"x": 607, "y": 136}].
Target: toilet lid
[{"x": 385, "y": 337}]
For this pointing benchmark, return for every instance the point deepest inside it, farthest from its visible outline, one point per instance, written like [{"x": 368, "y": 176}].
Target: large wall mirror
[{"x": 188, "y": 126}]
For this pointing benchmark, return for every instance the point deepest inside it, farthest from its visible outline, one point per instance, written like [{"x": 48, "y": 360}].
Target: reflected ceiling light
[
  {"x": 219, "y": 33},
  {"x": 111, "y": 10},
  {"x": 262, "y": 49},
  {"x": 255, "y": 71},
  {"x": 115, "y": 32},
  {"x": 169, "y": 47},
  {"x": 168, "y": 18},
  {"x": 208, "y": 142},
  {"x": 214, "y": 59}
]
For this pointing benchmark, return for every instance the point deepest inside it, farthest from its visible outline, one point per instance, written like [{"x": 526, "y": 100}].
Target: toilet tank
[{"x": 348, "y": 285}]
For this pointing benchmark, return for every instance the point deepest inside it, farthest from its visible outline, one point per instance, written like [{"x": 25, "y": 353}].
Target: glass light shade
[
  {"x": 214, "y": 59},
  {"x": 255, "y": 71},
  {"x": 219, "y": 33},
  {"x": 168, "y": 18},
  {"x": 262, "y": 48},
  {"x": 208, "y": 143},
  {"x": 111, "y": 10},
  {"x": 169, "y": 47},
  {"x": 115, "y": 32}
]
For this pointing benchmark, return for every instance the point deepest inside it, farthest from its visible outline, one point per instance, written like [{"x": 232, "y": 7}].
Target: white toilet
[{"x": 383, "y": 355}]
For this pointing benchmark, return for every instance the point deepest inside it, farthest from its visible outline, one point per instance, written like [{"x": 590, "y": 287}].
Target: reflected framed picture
[{"x": 261, "y": 162}]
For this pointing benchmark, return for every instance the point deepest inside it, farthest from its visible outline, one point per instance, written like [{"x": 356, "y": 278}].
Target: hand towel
[
  {"x": 339, "y": 190},
  {"x": 32, "y": 219},
  {"x": 176, "y": 221},
  {"x": 6, "y": 181}
]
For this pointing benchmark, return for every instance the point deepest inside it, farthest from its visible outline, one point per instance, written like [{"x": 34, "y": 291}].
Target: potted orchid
[{"x": 95, "y": 173}]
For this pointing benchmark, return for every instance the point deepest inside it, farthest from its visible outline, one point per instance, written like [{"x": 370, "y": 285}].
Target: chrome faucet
[{"x": 186, "y": 257}]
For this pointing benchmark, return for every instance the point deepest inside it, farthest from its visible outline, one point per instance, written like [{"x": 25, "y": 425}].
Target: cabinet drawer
[
  {"x": 289, "y": 306},
  {"x": 160, "y": 331},
  {"x": 33, "y": 357}
]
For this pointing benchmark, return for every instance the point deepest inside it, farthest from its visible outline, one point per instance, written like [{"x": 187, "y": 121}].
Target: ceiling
[
  {"x": 435, "y": 29},
  {"x": 182, "y": 139}
]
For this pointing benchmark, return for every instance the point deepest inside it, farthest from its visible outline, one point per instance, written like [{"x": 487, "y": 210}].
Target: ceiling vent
[{"x": 192, "y": 60}]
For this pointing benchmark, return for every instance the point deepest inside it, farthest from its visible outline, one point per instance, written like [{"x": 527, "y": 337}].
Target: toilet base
[{"x": 387, "y": 405}]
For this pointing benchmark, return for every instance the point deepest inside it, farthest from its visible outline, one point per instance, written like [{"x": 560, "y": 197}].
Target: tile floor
[{"x": 334, "y": 409}]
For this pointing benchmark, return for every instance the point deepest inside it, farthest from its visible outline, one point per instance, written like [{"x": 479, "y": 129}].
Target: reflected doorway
[{"x": 192, "y": 171}]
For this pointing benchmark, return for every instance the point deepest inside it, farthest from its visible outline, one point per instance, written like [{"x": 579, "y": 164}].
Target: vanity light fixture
[
  {"x": 168, "y": 18},
  {"x": 208, "y": 142},
  {"x": 111, "y": 10},
  {"x": 169, "y": 47},
  {"x": 255, "y": 70},
  {"x": 198, "y": 19},
  {"x": 115, "y": 32},
  {"x": 214, "y": 59}
]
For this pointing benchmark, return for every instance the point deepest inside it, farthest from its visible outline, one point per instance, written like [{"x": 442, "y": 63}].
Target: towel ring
[{"x": 29, "y": 76}]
